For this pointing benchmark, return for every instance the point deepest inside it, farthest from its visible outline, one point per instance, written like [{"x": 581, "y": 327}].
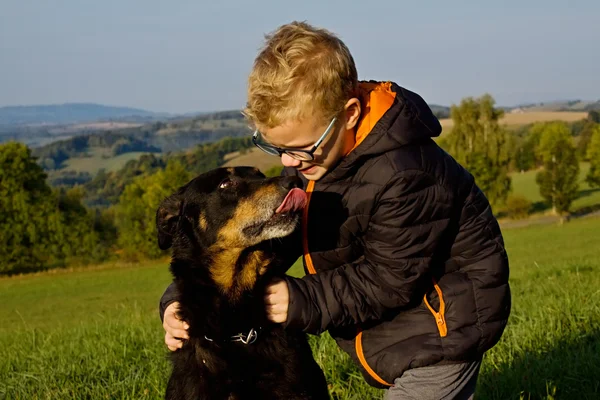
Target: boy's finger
[
  {"x": 269, "y": 300},
  {"x": 175, "y": 323},
  {"x": 273, "y": 287},
  {"x": 178, "y": 333}
]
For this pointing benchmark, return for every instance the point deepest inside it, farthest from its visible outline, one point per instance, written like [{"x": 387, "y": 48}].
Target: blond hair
[{"x": 301, "y": 71}]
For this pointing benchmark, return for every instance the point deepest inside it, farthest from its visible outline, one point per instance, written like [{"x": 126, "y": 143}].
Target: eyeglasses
[{"x": 298, "y": 154}]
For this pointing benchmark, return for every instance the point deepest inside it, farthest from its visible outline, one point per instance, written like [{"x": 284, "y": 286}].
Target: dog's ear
[{"x": 168, "y": 215}]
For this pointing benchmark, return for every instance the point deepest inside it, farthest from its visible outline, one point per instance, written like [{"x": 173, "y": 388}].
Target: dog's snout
[{"x": 290, "y": 182}]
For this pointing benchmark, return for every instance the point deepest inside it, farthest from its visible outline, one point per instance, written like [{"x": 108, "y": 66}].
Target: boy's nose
[{"x": 288, "y": 161}]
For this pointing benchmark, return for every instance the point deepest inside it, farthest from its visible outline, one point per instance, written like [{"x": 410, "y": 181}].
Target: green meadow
[
  {"x": 95, "y": 333},
  {"x": 97, "y": 159},
  {"x": 524, "y": 184}
]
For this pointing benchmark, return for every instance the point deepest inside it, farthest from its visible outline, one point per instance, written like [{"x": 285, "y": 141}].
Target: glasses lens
[
  {"x": 268, "y": 149},
  {"x": 299, "y": 155}
]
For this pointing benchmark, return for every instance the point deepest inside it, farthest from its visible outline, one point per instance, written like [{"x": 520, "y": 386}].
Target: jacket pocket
[{"x": 439, "y": 316}]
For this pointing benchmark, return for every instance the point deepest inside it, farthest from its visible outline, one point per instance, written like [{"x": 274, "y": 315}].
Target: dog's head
[
  {"x": 233, "y": 207},
  {"x": 227, "y": 210}
]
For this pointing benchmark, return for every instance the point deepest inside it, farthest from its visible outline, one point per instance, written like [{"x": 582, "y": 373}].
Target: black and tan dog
[{"x": 221, "y": 227}]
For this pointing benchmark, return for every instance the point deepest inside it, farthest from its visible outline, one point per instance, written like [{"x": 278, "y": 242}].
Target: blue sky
[{"x": 194, "y": 55}]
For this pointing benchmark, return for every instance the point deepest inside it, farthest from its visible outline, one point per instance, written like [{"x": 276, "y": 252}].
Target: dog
[{"x": 223, "y": 228}]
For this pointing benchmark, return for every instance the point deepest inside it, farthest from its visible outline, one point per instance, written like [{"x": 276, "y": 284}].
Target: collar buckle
[{"x": 248, "y": 338}]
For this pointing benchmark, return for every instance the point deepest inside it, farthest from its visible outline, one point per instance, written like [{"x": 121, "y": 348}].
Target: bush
[{"x": 518, "y": 206}]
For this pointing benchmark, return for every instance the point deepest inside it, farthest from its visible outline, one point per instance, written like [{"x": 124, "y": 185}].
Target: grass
[
  {"x": 525, "y": 184},
  {"x": 96, "y": 160},
  {"x": 95, "y": 333}
]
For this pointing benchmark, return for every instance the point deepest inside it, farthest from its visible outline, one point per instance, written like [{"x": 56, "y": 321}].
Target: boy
[{"x": 406, "y": 263}]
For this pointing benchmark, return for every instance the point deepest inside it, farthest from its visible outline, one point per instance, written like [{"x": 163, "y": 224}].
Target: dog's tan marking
[
  {"x": 202, "y": 223},
  {"x": 248, "y": 212},
  {"x": 232, "y": 241},
  {"x": 231, "y": 170},
  {"x": 165, "y": 214},
  {"x": 256, "y": 265},
  {"x": 223, "y": 268}
]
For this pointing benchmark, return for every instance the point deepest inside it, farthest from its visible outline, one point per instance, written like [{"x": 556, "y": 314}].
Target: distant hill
[
  {"x": 440, "y": 111},
  {"x": 157, "y": 137},
  {"x": 559, "y": 105},
  {"x": 69, "y": 113}
]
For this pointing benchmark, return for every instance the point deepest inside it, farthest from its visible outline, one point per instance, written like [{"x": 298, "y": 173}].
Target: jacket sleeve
[
  {"x": 168, "y": 297},
  {"x": 408, "y": 221}
]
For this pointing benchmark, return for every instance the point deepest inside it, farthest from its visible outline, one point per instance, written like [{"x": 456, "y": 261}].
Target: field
[
  {"x": 98, "y": 159},
  {"x": 253, "y": 157},
  {"x": 95, "y": 333},
  {"x": 524, "y": 118}
]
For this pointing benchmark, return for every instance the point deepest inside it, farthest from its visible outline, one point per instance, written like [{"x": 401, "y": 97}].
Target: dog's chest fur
[{"x": 277, "y": 365}]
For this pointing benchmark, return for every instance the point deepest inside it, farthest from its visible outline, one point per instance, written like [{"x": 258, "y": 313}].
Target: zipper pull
[{"x": 441, "y": 322}]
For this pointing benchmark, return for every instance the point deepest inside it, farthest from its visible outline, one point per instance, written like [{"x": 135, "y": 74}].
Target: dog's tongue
[{"x": 294, "y": 201}]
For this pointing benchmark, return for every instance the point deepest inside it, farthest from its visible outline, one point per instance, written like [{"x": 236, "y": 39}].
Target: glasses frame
[{"x": 290, "y": 151}]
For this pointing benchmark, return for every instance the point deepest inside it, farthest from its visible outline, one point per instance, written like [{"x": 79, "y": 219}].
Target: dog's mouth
[{"x": 286, "y": 214}]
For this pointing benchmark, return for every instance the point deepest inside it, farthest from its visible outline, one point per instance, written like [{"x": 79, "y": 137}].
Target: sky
[{"x": 195, "y": 55}]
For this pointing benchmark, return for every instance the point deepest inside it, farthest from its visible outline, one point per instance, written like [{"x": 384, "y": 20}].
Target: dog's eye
[{"x": 226, "y": 183}]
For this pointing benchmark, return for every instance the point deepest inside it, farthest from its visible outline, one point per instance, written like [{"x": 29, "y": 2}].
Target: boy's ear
[{"x": 168, "y": 215}]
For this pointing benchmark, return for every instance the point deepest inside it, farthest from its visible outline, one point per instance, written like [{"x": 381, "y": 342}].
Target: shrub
[{"x": 518, "y": 206}]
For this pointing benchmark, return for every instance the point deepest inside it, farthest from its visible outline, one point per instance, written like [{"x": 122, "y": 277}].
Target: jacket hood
[{"x": 392, "y": 116}]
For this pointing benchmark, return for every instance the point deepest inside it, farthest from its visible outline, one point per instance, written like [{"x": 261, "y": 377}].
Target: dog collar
[{"x": 248, "y": 338}]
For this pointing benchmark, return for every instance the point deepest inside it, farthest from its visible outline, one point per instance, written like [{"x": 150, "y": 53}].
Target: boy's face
[{"x": 303, "y": 134}]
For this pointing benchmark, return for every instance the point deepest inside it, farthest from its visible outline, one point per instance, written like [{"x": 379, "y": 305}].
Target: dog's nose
[{"x": 290, "y": 182}]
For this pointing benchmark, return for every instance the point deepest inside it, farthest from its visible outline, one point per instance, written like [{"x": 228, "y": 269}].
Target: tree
[
  {"x": 479, "y": 143},
  {"x": 594, "y": 116},
  {"x": 39, "y": 228},
  {"x": 29, "y": 224},
  {"x": 83, "y": 235},
  {"x": 524, "y": 158},
  {"x": 558, "y": 179},
  {"x": 136, "y": 210},
  {"x": 593, "y": 154},
  {"x": 585, "y": 136}
]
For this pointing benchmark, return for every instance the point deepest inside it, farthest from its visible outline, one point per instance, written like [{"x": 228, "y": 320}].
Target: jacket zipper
[
  {"x": 440, "y": 318},
  {"x": 307, "y": 258}
]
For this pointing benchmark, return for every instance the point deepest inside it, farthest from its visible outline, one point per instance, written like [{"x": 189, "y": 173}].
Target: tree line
[
  {"x": 490, "y": 152},
  {"x": 45, "y": 227},
  {"x": 111, "y": 216}
]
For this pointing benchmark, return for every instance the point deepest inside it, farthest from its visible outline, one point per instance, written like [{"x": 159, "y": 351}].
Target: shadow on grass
[
  {"x": 539, "y": 206},
  {"x": 587, "y": 192},
  {"x": 570, "y": 370},
  {"x": 586, "y": 210}
]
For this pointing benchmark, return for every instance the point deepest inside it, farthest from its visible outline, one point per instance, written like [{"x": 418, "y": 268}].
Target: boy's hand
[
  {"x": 176, "y": 329},
  {"x": 277, "y": 299}
]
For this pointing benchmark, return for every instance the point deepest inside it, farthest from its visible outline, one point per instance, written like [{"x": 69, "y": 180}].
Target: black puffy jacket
[{"x": 410, "y": 261}]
